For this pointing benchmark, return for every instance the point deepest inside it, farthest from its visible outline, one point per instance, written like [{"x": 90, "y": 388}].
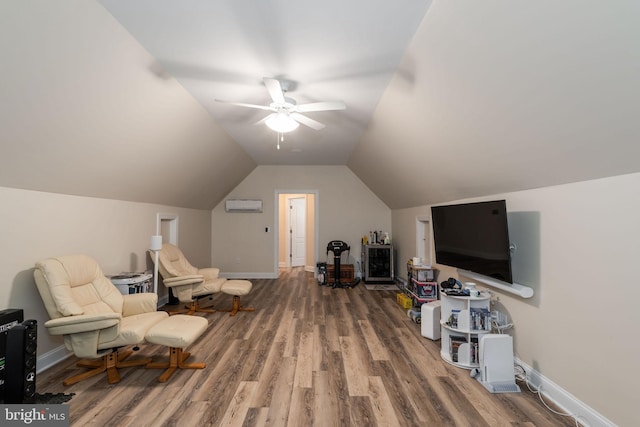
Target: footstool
[
  {"x": 176, "y": 332},
  {"x": 237, "y": 288}
]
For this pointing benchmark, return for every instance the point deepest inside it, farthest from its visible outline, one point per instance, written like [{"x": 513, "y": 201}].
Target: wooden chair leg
[
  {"x": 194, "y": 306},
  {"x": 87, "y": 374},
  {"x": 236, "y": 307},
  {"x": 113, "y": 376},
  {"x": 176, "y": 361},
  {"x": 109, "y": 363}
]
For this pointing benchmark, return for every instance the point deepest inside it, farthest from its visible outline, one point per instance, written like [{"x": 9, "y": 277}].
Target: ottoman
[
  {"x": 176, "y": 332},
  {"x": 237, "y": 288}
]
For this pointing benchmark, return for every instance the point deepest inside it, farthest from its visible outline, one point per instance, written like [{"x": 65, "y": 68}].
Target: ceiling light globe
[{"x": 281, "y": 122}]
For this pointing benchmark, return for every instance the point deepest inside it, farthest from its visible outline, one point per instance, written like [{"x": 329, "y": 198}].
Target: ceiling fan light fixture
[{"x": 281, "y": 122}]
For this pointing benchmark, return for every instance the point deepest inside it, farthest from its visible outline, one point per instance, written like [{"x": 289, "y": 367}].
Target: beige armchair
[
  {"x": 94, "y": 318},
  {"x": 189, "y": 283}
]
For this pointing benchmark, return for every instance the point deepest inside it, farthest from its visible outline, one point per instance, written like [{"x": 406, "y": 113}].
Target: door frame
[{"x": 316, "y": 220}]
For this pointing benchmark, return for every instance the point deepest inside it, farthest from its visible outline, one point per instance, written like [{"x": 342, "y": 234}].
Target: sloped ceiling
[
  {"x": 507, "y": 96},
  {"x": 460, "y": 99},
  {"x": 83, "y": 113}
]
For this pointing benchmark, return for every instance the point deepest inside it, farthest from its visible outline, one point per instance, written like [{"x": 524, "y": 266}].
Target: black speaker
[
  {"x": 8, "y": 319},
  {"x": 20, "y": 376}
]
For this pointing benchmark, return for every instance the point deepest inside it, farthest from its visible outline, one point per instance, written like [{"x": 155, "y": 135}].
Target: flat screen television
[{"x": 473, "y": 237}]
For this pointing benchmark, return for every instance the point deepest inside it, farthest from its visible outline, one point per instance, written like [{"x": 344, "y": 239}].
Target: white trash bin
[{"x": 430, "y": 323}]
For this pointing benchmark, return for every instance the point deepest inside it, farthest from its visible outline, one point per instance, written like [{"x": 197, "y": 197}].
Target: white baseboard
[
  {"x": 269, "y": 275},
  {"x": 163, "y": 300},
  {"x": 51, "y": 358},
  {"x": 585, "y": 415},
  {"x": 309, "y": 268}
]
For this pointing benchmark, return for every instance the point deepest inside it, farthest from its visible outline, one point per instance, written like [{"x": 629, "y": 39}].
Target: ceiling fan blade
[
  {"x": 307, "y": 121},
  {"x": 242, "y": 104},
  {"x": 275, "y": 90},
  {"x": 321, "y": 106}
]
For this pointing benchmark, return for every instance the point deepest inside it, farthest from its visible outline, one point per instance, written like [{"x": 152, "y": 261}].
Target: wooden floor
[{"x": 309, "y": 355}]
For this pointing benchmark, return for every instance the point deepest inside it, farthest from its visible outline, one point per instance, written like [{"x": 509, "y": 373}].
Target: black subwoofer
[{"x": 20, "y": 372}]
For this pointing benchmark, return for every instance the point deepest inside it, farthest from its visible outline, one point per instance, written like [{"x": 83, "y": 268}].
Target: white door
[{"x": 297, "y": 230}]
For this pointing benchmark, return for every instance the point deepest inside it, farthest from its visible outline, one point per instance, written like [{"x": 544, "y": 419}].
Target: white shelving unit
[{"x": 463, "y": 321}]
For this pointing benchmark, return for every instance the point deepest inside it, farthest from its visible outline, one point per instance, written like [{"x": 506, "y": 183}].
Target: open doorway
[
  {"x": 296, "y": 237},
  {"x": 167, "y": 227},
  {"x": 423, "y": 239}
]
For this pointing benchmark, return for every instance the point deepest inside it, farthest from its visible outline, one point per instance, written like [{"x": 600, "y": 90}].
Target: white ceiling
[{"x": 328, "y": 50}]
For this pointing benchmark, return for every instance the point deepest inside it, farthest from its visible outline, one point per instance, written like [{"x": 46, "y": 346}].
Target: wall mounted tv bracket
[{"x": 512, "y": 288}]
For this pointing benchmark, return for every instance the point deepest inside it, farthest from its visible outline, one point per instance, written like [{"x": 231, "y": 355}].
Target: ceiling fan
[{"x": 285, "y": 115}]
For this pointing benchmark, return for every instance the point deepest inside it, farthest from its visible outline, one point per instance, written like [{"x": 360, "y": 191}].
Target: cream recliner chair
[
  {"x": 188, "y": 283},
  {"x": 94, "y": 318}
]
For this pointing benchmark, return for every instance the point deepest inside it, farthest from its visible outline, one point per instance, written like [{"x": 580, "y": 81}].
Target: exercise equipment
[{"x": 338, "y": 247}]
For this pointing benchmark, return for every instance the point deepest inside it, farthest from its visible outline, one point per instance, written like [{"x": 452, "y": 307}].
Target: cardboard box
[
  {"x": 404, "y": 301},
  {"x": 347, "y": 273}
]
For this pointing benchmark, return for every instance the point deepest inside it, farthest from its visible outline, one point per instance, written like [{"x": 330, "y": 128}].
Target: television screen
[{"x": 473, "y": 237}]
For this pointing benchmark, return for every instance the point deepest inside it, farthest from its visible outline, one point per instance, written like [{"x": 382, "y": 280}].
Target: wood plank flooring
[{"x": 308, "y": 356}]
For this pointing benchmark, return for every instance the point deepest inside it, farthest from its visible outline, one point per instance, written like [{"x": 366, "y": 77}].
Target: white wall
[
  {"x": 36, "y": 225},
  {"x": 346, "y": 208},
  {"x": 578, "y": 245}
]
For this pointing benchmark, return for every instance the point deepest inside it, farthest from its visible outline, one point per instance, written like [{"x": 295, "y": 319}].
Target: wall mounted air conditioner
[{"x": 242, "y": 205}]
